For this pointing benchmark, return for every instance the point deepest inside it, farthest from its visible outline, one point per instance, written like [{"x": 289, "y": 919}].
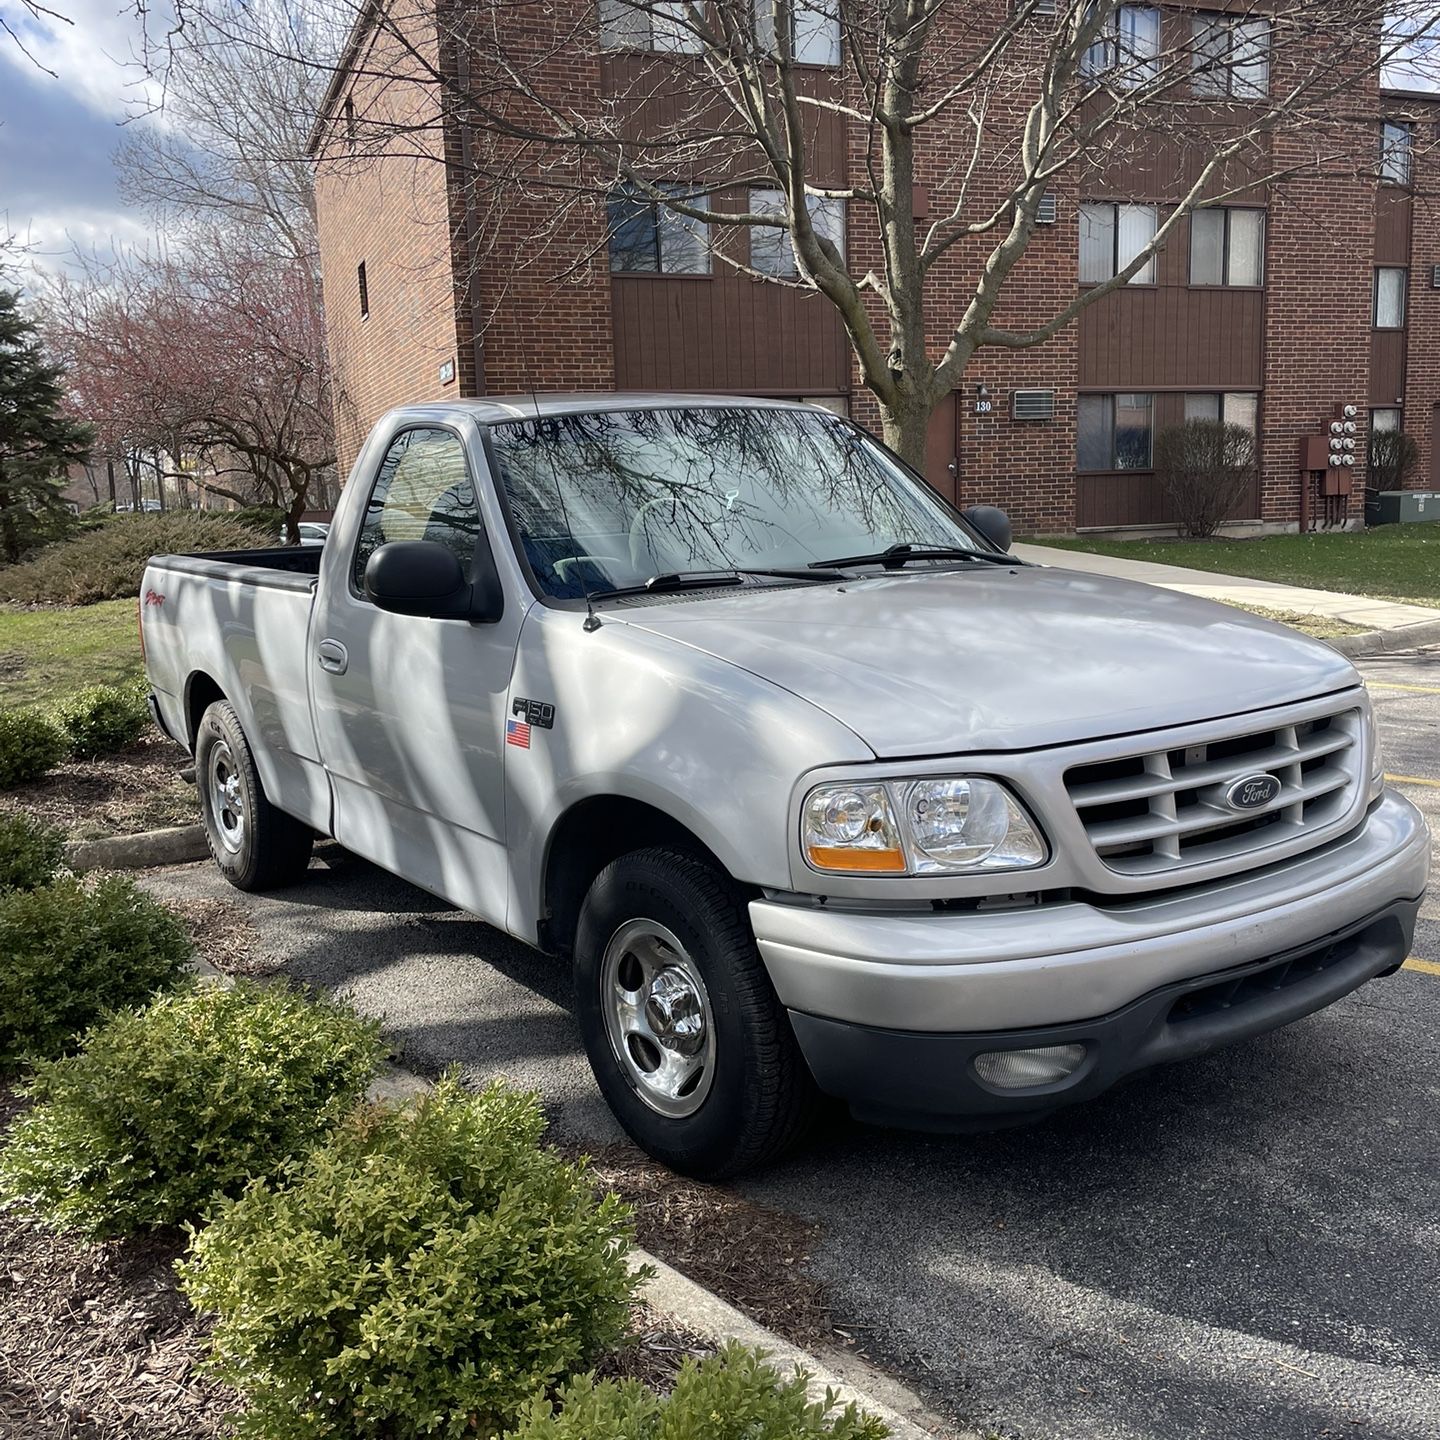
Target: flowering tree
[{"x": 217, "y": 354}]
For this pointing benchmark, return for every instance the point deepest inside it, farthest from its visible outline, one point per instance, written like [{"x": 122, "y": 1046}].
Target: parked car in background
[
  {"x": 814, "y": 785},
  {"x": 312, "y": 532}
]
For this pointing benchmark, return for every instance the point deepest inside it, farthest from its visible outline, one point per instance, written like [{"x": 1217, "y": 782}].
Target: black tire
[
  {"x": 268, "y": 849},
  {"x": 760, "y": 1096}
]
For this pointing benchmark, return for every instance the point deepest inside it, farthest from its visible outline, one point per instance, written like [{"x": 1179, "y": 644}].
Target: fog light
[{"x": 1022, "y": 1069}]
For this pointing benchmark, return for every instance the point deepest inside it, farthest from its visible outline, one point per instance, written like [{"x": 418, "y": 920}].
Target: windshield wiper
[
  {"x": 899, "y": 555},
  {"x": 672, "y": 580},
  {"x": 819, "y": 572}
]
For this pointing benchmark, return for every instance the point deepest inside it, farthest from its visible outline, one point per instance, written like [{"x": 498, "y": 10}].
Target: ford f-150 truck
[{"x": 816, "y": 788}]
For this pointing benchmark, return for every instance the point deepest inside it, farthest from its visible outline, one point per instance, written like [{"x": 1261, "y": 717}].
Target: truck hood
[{"x": 995, "y": 659}]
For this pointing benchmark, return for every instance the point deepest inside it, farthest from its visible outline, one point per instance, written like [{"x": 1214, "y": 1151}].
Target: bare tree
[{"x": 977, "y": 107}]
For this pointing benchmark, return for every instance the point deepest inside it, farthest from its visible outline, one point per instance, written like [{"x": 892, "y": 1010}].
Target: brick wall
[
  {"x": 1422, "y": 370},
  {"x": 384, "y": 203}
]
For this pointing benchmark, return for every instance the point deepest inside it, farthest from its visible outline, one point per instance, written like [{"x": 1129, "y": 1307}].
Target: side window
[{"x": 423, "y": 492}]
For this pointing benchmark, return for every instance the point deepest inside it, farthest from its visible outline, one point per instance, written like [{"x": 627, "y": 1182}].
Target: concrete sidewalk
[{"x": 1401, "y": 623}]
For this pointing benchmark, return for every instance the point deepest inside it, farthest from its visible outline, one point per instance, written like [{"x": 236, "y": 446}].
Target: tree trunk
[
  {"x": 299, "y": 503},
  {"x": 9, "y": 534},
  {"x": 906, "y": 428}
]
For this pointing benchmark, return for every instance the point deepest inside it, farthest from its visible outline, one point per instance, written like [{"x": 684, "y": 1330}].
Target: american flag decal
[{"x": 517, "y": 732}]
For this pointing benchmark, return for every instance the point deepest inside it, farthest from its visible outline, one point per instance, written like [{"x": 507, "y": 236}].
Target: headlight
[
  {"x": 954, "y": 825},
  {"x": 852, "y": 828}
]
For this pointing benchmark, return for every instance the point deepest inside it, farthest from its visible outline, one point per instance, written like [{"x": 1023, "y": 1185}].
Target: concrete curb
[
  {"x": 139, "y": 852},
  {"x": 707, "y": 1315},
  {"x": 1387, "y": 642}
]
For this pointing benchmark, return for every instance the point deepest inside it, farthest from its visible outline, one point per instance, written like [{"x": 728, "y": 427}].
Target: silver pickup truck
[{"x": 816, "y": 788}]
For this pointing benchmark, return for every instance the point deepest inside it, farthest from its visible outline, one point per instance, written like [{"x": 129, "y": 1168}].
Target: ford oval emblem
[{"x": 1251, "y": 792}]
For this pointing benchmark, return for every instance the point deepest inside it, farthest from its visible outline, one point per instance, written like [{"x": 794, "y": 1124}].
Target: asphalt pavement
[{"x": 1247, "y": 1245}]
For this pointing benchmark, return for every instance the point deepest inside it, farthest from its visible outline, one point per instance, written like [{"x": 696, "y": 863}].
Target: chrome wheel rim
[
  {"x": 658, "y": 1018},
  {"x": 227, "y": 799}
]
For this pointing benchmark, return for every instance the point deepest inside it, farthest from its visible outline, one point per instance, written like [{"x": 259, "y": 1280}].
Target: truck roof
[{"x": 500, "y": 409}]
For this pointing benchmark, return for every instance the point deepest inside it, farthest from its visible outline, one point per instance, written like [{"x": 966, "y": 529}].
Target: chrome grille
[{"x": 1163, "y": 809}]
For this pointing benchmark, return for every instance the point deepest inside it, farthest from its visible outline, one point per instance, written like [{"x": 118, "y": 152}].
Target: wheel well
[
  {"x": 200, "y": 693},
  {"x": 588, "y": 837}
]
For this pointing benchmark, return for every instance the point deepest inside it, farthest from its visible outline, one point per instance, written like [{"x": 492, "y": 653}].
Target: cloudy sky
[{"x": 58, "y": 134}]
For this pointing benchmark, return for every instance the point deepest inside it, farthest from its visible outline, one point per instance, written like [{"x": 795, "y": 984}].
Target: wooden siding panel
[
  {"x": 1393, "y": 208},
  {"x": 1387, "y": 367},
  {"x": 728, "y": 334},
  {"x": 1173, "y": 337}
]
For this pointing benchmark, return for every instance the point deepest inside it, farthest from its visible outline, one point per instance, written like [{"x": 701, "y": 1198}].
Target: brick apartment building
[{"x": 1269, "y": 313}]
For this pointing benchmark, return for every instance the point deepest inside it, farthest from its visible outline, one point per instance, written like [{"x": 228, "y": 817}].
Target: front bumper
[{"x": 891, "y": 1008}]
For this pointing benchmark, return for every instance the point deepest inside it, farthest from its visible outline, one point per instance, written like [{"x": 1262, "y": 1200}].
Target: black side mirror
[
  {"x": 423, "y": 577},
  {"x": 993, "y": 524}
]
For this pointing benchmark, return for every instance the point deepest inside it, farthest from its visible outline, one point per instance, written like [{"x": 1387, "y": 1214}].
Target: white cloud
[
  {"x": 56, "y": 240},
  {"x": 98, "y": 59}
]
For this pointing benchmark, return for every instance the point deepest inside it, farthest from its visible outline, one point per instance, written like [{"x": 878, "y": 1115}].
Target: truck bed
[{"x": 290, "y": 567}]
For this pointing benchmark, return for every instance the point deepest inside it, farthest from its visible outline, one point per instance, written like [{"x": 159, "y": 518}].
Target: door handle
[{"x": 333, "y": 656}]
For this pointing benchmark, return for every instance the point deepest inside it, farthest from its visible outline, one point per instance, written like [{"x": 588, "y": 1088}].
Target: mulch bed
[
  {"x": 97, "y": 1342},
  {"x": 752, "y": 1256},
  {"x": 138, "y": 789}
]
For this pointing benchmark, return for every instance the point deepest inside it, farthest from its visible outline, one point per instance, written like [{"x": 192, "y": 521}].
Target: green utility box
[{"x": 1400, "y": 507}]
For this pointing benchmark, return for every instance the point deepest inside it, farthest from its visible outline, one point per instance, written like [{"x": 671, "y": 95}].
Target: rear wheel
[
  {"x": 256, "y": 846},
  {"x": 685, "y": 1034}
]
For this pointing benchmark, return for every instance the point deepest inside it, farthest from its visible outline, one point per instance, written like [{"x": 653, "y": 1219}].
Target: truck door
[{"x": 410, "y": 711}]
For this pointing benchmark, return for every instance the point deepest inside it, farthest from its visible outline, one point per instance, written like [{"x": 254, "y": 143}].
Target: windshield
[{"x": 607, "y": 500}]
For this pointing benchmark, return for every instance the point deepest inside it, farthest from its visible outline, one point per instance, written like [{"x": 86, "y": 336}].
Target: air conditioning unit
[
  {"x": 1032, "y": 404},
  {"x": 1045, "y": 7},
  {"x": 1048, "y": 210}
]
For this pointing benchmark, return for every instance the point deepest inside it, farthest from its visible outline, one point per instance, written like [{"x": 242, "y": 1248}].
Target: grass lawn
[
  {"x": 45, "y": 654},
  {"x": 1393, "y": 562}
]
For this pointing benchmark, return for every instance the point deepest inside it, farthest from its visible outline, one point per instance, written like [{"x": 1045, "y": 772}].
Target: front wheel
[
  {"x": 256, "y": 846},
  {"x": 687, "y": 1039}
]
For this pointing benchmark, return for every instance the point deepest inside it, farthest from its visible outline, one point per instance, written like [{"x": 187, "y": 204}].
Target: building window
[
  {"x": 1397, "y": 151},
  {"x": 647, "y": 237},
  {"x": 1227, "y": 247},
  {"x": 657, "y": 25},
  {"x": 771, "y": 252},
  {"x": 1235, "y": 407},
  {"x": 1128, "y": 50},
  {"x": 364, "y": 286},
  {"x": 1384, "y": 419},
  {"x": 1390, "y": 297},
  {"x": 1115, "y": 432},
  {"x": 1230, "y": 57},
  {"x": 814, "y": 31},
  {"x": 1111, "y": 236}
]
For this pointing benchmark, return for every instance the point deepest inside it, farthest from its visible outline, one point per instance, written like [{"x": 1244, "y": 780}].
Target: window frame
[
  {"x": 658, "y": 225},
  {"x": 357, "y": 591},
  {"x": 1116, "y": 206},
  {"x": 1403, "y": 271},
  {"x": 362, "y": 284},
  {"x": 1111, "y": 45},
  {"x": 1220, "y": 396},
  {"x": 648, "y": 19},
  {"x": 759, "y": 7},
  {"x": 1225, "y": 283},
  {"x": 814, "y": 204},
  {"x": 1389, "y": 149},
  {"x": 1224, "y": 76},
  {"x": 1113, "y": 397}
]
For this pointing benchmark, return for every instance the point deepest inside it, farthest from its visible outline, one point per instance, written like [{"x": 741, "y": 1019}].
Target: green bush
[
  {"x": 30, "y": 745},
  {"x": 107, "y": 563},
  {"x": 30, "y": 851},
  {"x": 101, "y": 719},
  {"x": 168, "y": 1107},
  {"x": 734, "y": 1395},
  {"x": 424, "y": 1272},
  {"x": 71, "y": 952}
]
